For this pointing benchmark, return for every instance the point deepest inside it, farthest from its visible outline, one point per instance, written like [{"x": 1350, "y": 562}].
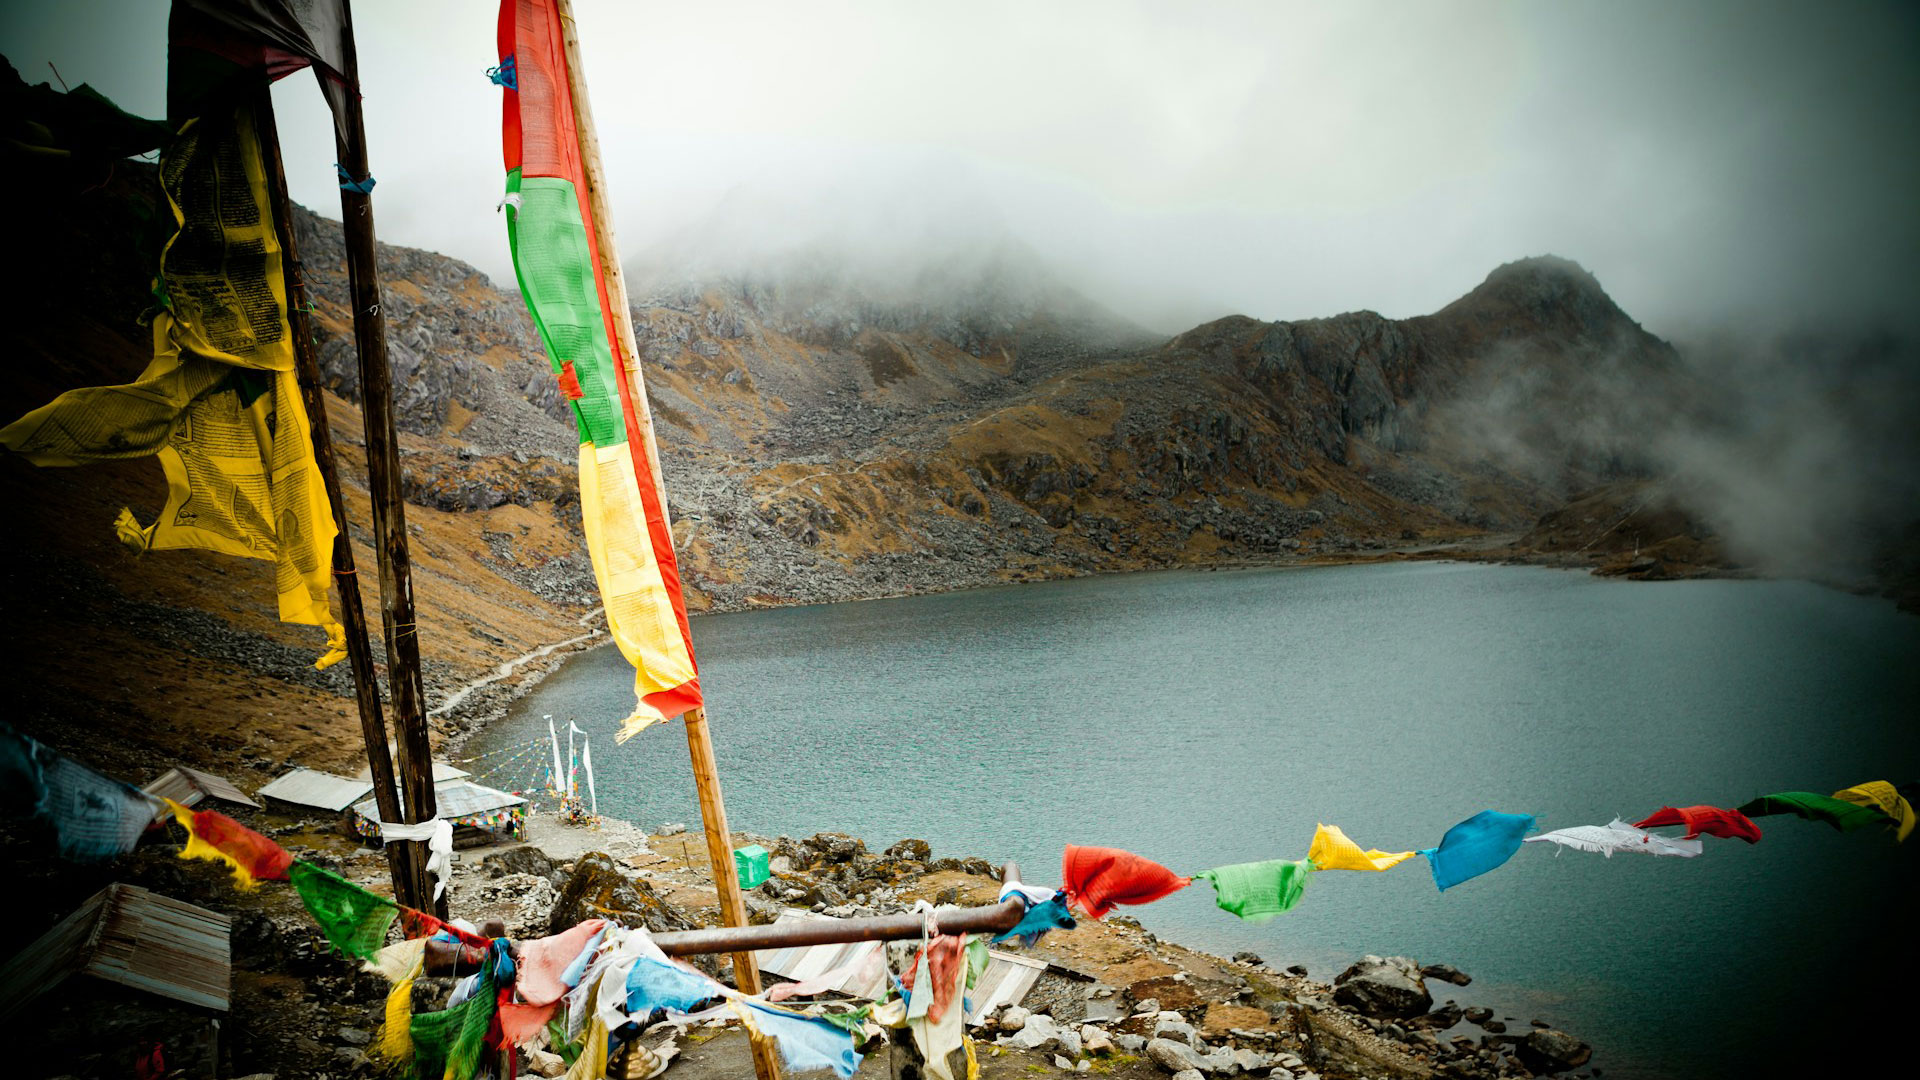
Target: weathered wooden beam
[
  {"x": 397, "y": 615},
  {"x": 353, "y": 616}
]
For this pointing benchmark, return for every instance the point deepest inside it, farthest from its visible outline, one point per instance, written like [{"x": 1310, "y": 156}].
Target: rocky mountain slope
[{"x": 982, "y": 426}]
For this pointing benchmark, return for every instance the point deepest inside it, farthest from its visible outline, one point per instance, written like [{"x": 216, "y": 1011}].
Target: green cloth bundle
[
  {"x": 354, "y": 920},
  {"x": 448, "y": 1043},
  {"x": 1257, "y": 891}
]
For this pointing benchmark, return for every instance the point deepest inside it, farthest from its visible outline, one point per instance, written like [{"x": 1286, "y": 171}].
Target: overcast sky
[{"x": 1712, "y": 163}]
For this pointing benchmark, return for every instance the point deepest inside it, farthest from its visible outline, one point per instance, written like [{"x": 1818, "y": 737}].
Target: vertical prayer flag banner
[
  {"x": 557, "y": 258},
  {"x": 219, "y": 405}
]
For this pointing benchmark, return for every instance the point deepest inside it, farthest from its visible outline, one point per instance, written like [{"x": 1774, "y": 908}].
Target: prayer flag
[
  {"x": 1618, "y": 836},
  {"x": 92, "y": 817},
  {"x": 1884, "y": 796},
  {"x": 219, "y": 405},
  {"x": 1839, "y": 813},
  {"x": 353, "y": 919},
  {"x": 213, "y": 835},
  {"x": 1097, "y": 878},
  {"x": 562, "y": 277},
  {"x": 1331, "y": 850},
  {"x": 1712, "y": 820},
  {"x": 1475, "y": 846},
  {"x": 1258, "y": 891}
]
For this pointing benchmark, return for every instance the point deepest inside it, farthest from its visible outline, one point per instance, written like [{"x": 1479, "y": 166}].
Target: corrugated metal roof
[
  {"x": 189, "y": 786},
  {"x": 127, "y": 935},
  {"x": 1006, "y": 980},
  {"x": 311, "y": 787},
  {"x": 454, "y": 799}
]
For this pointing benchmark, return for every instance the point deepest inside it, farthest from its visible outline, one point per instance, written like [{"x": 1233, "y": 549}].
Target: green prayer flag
[
  {"x": 1838, "y": 813},
  {"x": 354, "y": 920},
  {"x": 447, "y": 1043},
  {"x": 1257, "y": 891}
]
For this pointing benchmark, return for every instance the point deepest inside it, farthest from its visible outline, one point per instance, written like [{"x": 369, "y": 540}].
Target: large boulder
[
  {"x": 1175, "y": 1057},
  {"x": 597, "y": 889},
  {"x": 1387, "y": 987},
  {"x": 1548, "y": 1051},
  {"x": 1042, "y": 1034}
]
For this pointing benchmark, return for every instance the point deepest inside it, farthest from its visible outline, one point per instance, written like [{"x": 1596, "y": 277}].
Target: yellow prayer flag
[
  {"x": 1331, "y": 850},
  {"x": 1884, "y": 797}
]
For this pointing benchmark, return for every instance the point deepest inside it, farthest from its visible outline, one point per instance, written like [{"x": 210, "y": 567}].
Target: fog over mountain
[{"x": 1714, "y": 163}]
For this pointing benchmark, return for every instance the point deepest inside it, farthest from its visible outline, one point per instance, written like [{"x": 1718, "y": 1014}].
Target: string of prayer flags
[
  {"x": 1331, "y": 850},
  {"x": 1618, "y": 836},
  {"x": 1097, "y": 878},
  {"x": 557, "y": 257},
  {"x": 213, "y": 835},
  {"x": 1712, "y": 820},
  {"x": 1479, "y": 844},
  {"x": 1879, "y": 793},
  {"x": 1259, "y": 891},
  {"x": 353, "y": 919},
  {"x": 1839, "y": 813}
]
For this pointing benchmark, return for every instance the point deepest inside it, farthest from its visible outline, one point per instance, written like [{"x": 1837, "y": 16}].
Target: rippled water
[{"x": 1207, "y": 718}]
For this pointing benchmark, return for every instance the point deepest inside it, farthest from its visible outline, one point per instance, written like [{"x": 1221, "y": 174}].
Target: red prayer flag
[
  {"x": 213, "y": 835},
  {"x": 1097, "y": 878},
  {"x": 1712, "y": 820}
]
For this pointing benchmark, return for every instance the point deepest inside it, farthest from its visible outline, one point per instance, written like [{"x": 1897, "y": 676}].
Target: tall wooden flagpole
[
  {"x": 404, "y": 860},
  {"x": 706, "y": 775},
  {"x": 383, "y": 471}
]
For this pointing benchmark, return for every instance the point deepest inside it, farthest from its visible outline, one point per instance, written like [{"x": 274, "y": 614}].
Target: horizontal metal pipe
[{"x": 997, "y": 918}]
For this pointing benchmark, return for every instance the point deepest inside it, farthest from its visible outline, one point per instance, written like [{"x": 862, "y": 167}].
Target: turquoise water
[{"x": 1208, "y": 718}]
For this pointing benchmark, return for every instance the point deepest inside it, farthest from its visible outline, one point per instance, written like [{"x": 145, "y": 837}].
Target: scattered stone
[
  {"x": 1297, "y": 969},
  {"x": 1014, "y": 1018},
  {"x": 1250, "y": 959},
  {"x": 1188, "y": 1074},
  {"x": 1175, "y": 1029},
  {"x": 1130, "y": 1044},
  {"x": 1478, "y": 1014},
  {"x": 525, "y": 859},
  {"x": 1095, "y": 1041},
  {"x": 671, "y": 828},
  {"x": 1383, "y": 987},
  {"x": 1142, "y": 1008},
  {"x": 542, "y": 1063},
  {"x": 1493, "y": 1026},
  {"x": 1174, "y": 1057},
  {"x": 1061, "y": 1063},
  {"x": 1446, "y": 973},
  {"x": 1551, "y": 1051},
  {"x": 1040, "y": 1033},
  {"x": 353, "y": 1036}
]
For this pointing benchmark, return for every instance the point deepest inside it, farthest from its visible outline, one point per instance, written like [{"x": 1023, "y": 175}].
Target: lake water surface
[{"x": 1211, "y": 718}]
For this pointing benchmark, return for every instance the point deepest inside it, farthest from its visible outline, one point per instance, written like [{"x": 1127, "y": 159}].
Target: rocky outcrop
[{"x": 1383, "y": 987}]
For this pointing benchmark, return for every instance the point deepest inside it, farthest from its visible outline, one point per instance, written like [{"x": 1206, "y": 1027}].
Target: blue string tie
[
  {"x": 504, "y": 75},
  {"x": 348, "y": 183}
]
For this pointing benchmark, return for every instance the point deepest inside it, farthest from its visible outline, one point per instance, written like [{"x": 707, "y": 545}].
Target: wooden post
[
  {"x": 353, "y": 617},
  {"x": 713, "y": 811},
  {"x": 383, "y": 476}
]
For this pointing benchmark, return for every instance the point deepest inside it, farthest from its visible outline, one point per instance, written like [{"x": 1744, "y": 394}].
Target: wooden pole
[
  {"x": 706, "y": 776},
  {"x": 383, "y": 476},
  {"x": 353, "y": 617}
]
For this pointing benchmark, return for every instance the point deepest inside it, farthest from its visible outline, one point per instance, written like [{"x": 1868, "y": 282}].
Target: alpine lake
[{"x": 1205, "y": 718}]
